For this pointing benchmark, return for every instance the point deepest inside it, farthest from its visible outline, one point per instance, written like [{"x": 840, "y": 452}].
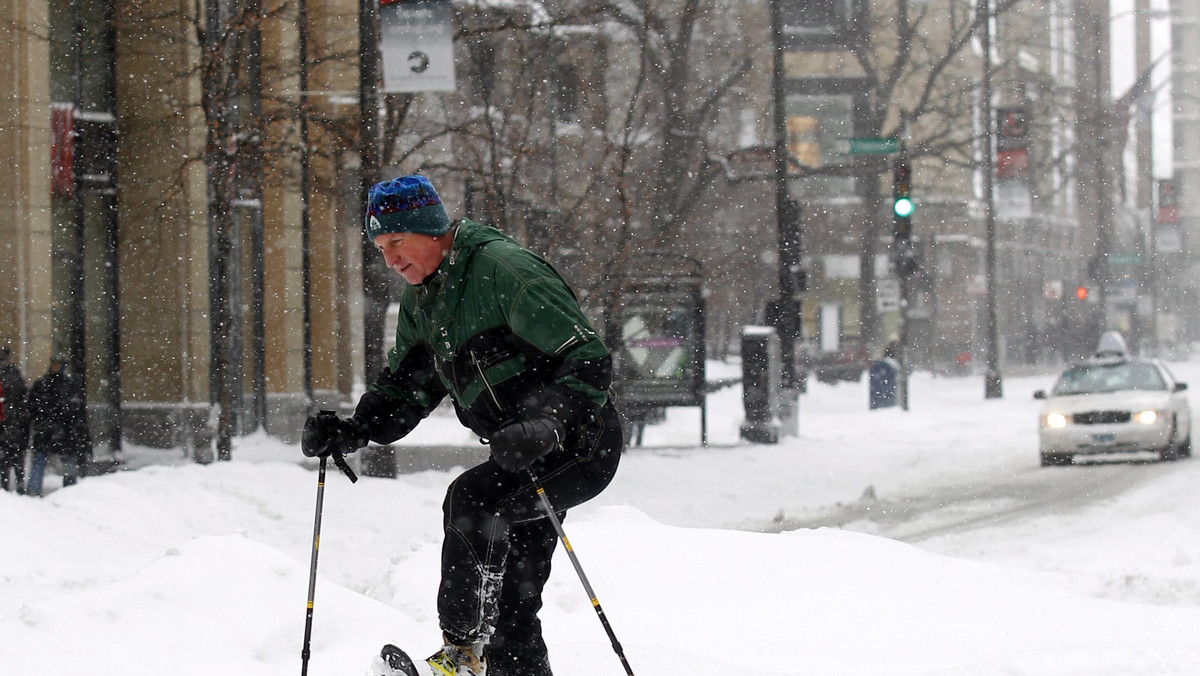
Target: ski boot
[{"x": 457, "y": 660}]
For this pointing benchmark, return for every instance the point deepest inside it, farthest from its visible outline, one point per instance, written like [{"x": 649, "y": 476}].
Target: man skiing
[{"x": 496, "y": 328}]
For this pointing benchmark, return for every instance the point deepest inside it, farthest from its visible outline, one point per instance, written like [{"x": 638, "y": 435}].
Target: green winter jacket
[{"x": 499, "y": 331}]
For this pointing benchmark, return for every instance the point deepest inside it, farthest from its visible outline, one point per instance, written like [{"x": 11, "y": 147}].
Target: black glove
[
  {"x": 520, "y": 444},
  {"x": 327, "y": 434}
]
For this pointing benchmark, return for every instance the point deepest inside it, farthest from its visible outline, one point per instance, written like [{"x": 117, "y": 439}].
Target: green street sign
[
  {"x": 1124, "y": 259},
  {"x": 873, "y": 146}
]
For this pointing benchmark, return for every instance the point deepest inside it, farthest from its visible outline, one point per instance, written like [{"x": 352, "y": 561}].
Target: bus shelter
[{"x": 657, "y": 335}]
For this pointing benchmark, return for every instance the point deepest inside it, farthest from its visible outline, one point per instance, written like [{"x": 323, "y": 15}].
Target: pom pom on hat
[{"x": 405, "y": 204}]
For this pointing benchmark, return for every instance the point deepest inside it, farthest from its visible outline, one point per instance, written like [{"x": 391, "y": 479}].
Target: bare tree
[
  {"x": 922, "y": 88},
  {"x": 650, "y": 151}
]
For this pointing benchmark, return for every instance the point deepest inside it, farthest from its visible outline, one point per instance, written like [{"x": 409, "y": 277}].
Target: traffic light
[
  {"x": 903, "y": 254},
  {"x": 1081, "y": 292},
  {"x": 902, "y": 204}
]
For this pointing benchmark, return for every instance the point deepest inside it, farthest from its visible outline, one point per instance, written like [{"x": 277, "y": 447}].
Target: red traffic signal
[{"x": 1081, "y": 292}]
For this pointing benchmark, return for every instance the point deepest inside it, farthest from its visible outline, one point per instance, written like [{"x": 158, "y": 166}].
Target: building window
[
  {"x": 566, "y": 94},
  {"x": 483, "y": 71}
]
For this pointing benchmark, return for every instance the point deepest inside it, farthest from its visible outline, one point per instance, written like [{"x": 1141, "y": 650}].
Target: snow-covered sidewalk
[{"x": 188, "y": 569}]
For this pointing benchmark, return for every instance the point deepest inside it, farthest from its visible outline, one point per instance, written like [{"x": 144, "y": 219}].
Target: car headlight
[
  {"x": 1146, "y": 417},
  {"x": 1056, "y": 420}
]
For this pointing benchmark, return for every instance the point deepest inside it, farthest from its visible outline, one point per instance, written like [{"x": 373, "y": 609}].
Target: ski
[{"x": 396, "y": 662}]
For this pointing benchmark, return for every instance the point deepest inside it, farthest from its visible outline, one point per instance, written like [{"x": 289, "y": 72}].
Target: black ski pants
[
  {"x": 498, "y": 546},
  {"x": 12, "y": 457}
]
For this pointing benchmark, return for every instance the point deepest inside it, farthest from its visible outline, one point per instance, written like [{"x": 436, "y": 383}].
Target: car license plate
[{"x": 1103, "y": 438}]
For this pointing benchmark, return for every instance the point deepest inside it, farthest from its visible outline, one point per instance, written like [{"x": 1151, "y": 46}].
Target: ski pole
[
  {"x": 587, "y": 586},
  {"x": 312, "y": 569}
]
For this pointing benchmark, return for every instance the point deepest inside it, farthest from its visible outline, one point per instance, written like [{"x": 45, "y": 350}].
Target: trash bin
[
  {"x": 882, "y": 378},
  {"x": 760, "y": 384}
]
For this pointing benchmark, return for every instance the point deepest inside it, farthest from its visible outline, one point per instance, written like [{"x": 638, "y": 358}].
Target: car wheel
[
  {"x": 1185, "y": 448},
  {"x": 1170, "y": 452}
]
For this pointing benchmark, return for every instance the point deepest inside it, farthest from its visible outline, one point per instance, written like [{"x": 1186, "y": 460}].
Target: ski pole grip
[{"x": 341, "y": 463}]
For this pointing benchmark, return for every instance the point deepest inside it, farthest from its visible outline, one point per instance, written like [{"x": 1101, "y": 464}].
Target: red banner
[
  {"x": 62, "y": 150},
  {"x": 1012, "y": 163},
  {"x": 1168, "y": 202}
]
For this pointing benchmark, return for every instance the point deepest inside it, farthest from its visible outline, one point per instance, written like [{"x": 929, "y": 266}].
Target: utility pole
[
  {"x": 375, "y": 289},
  {"x": 1104, "y": 201},
  {"x": 903, "y": 255},
  {"x": 992, "y": 386},
  {"x": 787, "y": 214},
  {"x": 1144, "y": 182},
  {"x": 305, "y": 217}
]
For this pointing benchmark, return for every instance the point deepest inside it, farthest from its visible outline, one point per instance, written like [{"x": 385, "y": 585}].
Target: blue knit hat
[{"x": 405, "y": 204}]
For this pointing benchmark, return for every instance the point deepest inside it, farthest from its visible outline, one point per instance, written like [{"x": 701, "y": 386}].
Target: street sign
[
  {"x": 887, "y": 294},
  {"x": 1124, "y": 259},
  {"x": 417, "y": 45},
  {"x": 870, "y": 146}
]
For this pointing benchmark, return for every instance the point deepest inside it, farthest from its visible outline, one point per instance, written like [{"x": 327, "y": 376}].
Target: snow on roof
[{"x": 537, "y": 11}]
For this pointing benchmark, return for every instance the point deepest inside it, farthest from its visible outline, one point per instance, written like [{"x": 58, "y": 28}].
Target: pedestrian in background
[
  {"x": 58, "y": 421},
  {"x": 14, "y": 424}
]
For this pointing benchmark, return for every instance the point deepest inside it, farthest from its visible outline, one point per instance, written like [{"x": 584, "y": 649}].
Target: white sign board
[
  {"x": 1013, "y": 199},
  {"x": 887, "y": 295},
  {"x": 417, "y": 45}
]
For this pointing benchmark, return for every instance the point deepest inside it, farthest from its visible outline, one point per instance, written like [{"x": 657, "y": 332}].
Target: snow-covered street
[{"x": 185, "y": 569}]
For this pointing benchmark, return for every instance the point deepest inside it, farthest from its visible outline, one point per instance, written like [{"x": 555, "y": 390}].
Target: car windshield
[{"x": 1095, "y": 378}]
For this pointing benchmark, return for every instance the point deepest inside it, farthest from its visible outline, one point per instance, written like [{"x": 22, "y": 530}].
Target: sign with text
[
  {"x": 868, "y": 146},
  {"x": 1012, "y": 142},
  {"x": 1168, "y": 238},
  {"x": 659, "y": 336},
  {"x": 417, "y": 45},
  {"x": 658, "y": 333},
  {"x": 823, "y": 25},
  {"x": 1014, "y": 199},
  {"x": 1168, "y": 202}
]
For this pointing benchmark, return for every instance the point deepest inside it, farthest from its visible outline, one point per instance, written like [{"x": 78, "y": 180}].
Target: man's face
[{"x": 411, "y": 255}]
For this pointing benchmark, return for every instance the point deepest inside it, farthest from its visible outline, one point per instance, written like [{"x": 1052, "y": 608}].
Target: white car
[{"x": 1114, "y": 404}]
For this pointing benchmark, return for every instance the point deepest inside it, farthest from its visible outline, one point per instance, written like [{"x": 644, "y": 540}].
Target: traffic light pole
[
  {"x": 787, "y": 212},
  {"x": 904, "y": 259}
]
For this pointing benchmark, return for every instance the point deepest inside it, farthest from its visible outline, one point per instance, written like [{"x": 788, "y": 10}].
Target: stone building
[
  {"x": 107, "y": 243},
  {"x": 123, "y": 217}
]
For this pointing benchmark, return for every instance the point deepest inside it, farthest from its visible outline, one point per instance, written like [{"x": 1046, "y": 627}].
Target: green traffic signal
[{"x": 903, "y": 207}]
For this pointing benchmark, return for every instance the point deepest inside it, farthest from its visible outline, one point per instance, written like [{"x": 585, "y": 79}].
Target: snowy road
[{"x": 994, "y": 500}]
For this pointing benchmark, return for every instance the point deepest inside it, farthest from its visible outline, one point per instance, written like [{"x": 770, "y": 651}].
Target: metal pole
[
  {"x": 305, "y": 221},
  {"x": 905, "y": 274},
  {"x": 1104, "y": 203},
  {"x": 374, "y": 275},
  {"x": 312, "y": 570},
  {"x": 992, "y": 387},
  {"x": 340, "y": 461},
  {"x": 77, "y": 329},
  {"x": 111, "y": 286},
  {"x": 1145, "y": 184},
  {"x": 786, "y": 210}
]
